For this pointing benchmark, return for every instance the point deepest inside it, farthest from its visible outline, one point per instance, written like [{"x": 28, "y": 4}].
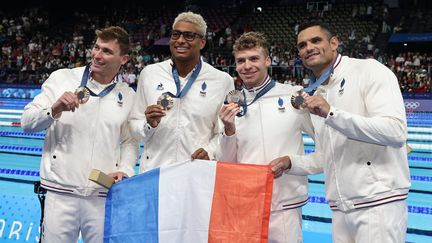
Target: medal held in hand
[
  {"x": 298, "y": 98},
  {"x": 235, "y": 96},
  {"x": 166, "y": 101},
  {"x": 83, "y": 94}
]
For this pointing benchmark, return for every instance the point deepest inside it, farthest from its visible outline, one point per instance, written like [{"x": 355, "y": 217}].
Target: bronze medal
[
  {"x": 235, "y": 96},
  {"x": 83, "y": 94},
  {"x": 166, "y": 101},
  {"x": 298, "y": 98}
]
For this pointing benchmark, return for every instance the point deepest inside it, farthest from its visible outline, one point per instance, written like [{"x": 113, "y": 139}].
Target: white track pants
[
  {"x": 286, "y": 226},
  {"x": 385, "y": 223},
  {"x": 66, "y": 215}
]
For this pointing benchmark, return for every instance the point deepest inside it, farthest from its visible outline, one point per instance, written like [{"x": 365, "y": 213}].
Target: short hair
[
  {"x": 192, "y": 18},
  {"x": 115, "y": 33},
  {"x": 251, "y": 40},
  {"x": 322, "y": 25}
]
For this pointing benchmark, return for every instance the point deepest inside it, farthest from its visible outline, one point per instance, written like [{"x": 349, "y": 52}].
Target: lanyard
[
  {"x": 192, "y": 78},
  {"x": 315, "y": 83},
  {"x": 262, "y": 92},
  {"x": 84, "y": 81}
]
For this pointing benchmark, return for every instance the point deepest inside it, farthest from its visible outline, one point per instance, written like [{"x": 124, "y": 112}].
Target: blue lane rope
[
  {"x": 18, "y": 172},
  {"x": 13, "y": 147},
  {"x": 7, "y": 133}
]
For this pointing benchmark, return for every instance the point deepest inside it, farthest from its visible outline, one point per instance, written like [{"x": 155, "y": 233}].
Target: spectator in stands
[
  {"x": 184, "y": 123},
  {"x": 275, "y": 59},
  {"x": 369, "y": 11},
  {"x": 221, "y": 41},
  {"x": 298, "y": 66},
  {"x": 132, "y": 77},
  {"x": 147, "y": 58},
  {"x": 354, "y": 12},
  {"x": 306, "y": 80},
  {"x": 228, "y": 31},
  {"x": 416, "y": 62},
  {"x": 400, "y": 59},
  {"x": 284, "y": 65},
  {"x": 220, "y": 60},
  {"x": 210, "y": 35},
  {"x": 84, "y": 131},
  {"x": 251, "y": 137},
  {"x": 229, "y": 41},
  {"x": 341, "y": 48},
  {"x": 359, "y": 119},
  {"x": 35, "y": 42}
]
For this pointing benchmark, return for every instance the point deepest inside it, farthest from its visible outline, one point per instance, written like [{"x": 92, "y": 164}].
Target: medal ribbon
[
  {"x": 262, "y": 92},
  {"x": 192, "y": 78},
  {"x": 315, "y": 83},
  {"x": 85, "y": 76},
  {"x": 84, "y": 81}
]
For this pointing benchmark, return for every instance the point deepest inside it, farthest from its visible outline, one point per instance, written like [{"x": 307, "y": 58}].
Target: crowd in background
[{"x": 30, "y": 50}]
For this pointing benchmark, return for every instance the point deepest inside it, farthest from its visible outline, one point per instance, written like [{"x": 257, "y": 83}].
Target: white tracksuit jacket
[
  {"x": 191, "y": 124},
  {"x": 271, "y": 128},
  {"x": 95, "y": 136},
  {"x": 362, "y": 139}
]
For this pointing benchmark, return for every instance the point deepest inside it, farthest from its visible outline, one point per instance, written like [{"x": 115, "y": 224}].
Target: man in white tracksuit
[
  {"x": 187, "y": 128},
  {"x": 81, "y": 137},
  {"x": 360, "y": 126},
  {"x": 268, "y": 128}
]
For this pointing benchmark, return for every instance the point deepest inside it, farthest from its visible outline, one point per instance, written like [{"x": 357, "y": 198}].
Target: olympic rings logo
[{"x": 412, "y": 105}]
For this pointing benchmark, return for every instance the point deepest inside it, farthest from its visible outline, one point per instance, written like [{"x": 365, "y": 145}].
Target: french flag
[{"x": 194, "y": 201}]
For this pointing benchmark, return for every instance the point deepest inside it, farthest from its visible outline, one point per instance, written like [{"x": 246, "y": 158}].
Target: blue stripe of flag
[{"x": 125, "y": 223}]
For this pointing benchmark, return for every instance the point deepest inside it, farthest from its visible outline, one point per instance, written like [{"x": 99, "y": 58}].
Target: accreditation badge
[
  {"x": 166, "y": 101},
  {"x": 235, "y": 96},
  {"x": 298, "y": 99},
  {"x": 83, "y": 94}
]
